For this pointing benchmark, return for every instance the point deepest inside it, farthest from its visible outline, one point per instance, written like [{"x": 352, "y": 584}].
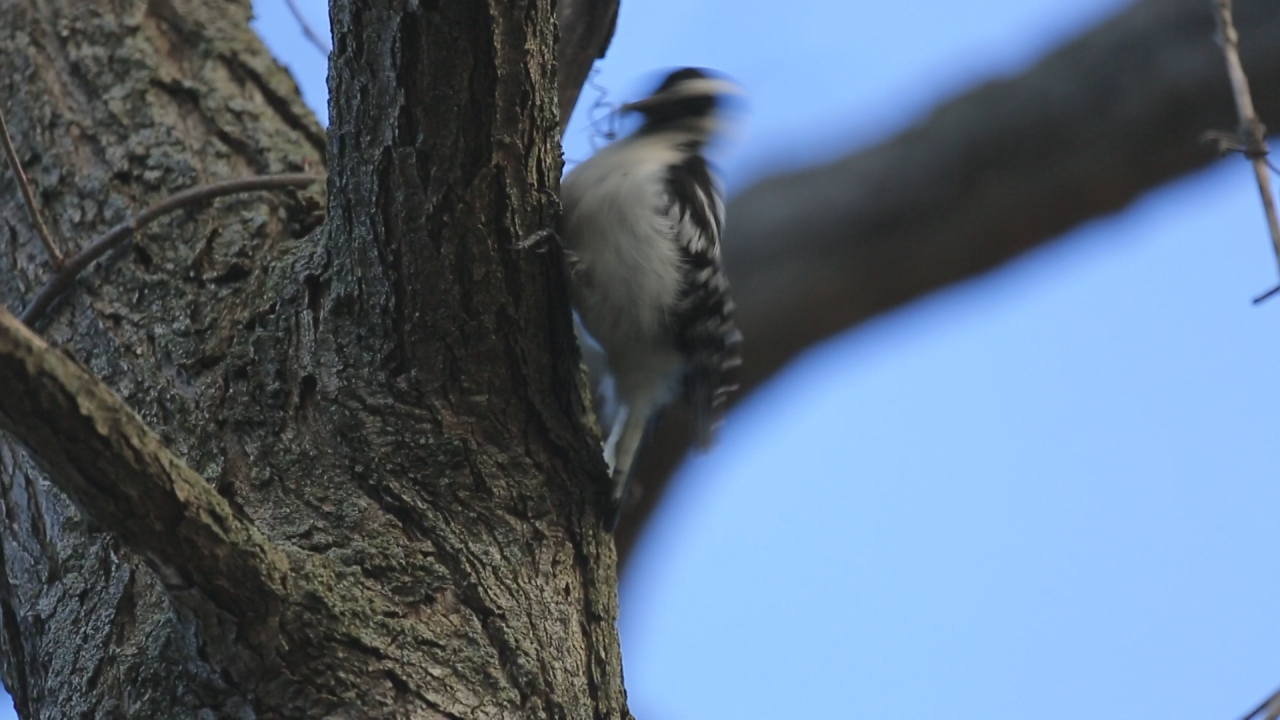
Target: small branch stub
[{"x": 104, "y": 243}]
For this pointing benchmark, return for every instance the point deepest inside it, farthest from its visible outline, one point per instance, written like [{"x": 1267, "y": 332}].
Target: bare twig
[
  {"x": 1271, "y": 706},
  {"x": 1223, "y": 142},
  {"x": 1266, "y": 295},
  {"x": 1253, "y": 134},
  {"x": 307, "y": 30},
  {"x": 51, "y": 247},
  {"x": 112, "y": 238}
]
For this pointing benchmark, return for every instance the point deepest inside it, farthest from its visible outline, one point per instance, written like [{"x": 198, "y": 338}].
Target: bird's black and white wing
[
  {"x": 703, "y": 325},
  {"x": 642, "y": 224}
]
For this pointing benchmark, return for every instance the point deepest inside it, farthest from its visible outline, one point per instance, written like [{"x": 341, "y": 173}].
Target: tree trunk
[{"x": 387, "y": 397}]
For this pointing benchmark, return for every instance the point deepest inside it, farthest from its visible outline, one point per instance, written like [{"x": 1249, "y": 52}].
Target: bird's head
[{"x": 688, "y": 99}]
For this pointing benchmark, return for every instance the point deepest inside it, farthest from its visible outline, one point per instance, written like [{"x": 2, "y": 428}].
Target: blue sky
[{"x": 1046, "y": 493}]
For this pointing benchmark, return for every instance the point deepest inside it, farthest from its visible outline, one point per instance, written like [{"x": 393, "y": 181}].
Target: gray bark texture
[
  {"x": 1000, "y": 170},
  {"x": 280, "y": 466}
]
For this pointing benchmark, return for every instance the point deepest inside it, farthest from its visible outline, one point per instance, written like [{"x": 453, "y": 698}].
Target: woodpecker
[{"x": 641, "y": 226}]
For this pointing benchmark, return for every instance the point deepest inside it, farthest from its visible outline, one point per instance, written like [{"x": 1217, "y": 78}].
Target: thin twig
[
  {"x": 1271, "y": 706},
  {"x": 307, "y": 30},
  {"x": 51, "y": 247},
  {"x": 1253, "y": 134},
  {"x": 1267, "y": 295},
  {"x": 104, "y": 243}
]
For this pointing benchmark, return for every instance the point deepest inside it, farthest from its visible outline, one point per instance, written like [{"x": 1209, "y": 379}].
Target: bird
[{"x": 641, "y": 225}]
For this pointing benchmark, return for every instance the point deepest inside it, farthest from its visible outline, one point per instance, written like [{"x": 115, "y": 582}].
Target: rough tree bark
[{"x": 384, "y": 402}]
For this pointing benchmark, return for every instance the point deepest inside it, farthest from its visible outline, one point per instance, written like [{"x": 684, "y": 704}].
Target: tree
[
  {"x": 386, "y": 403},
  {"x": 382, "y": 402}
]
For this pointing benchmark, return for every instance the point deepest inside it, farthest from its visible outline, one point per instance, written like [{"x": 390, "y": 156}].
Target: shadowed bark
[
  {"x": 986, "y": 177},
  {"x": 586, "y": 27},
  {"x": 109, "y": 462},
  {"x": 386, "y": 404}
]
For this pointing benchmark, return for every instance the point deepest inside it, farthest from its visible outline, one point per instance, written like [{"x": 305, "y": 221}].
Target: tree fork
[{"x": 387, "y": 399}]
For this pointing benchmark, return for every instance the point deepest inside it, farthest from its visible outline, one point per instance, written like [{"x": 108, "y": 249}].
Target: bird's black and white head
[{"x": 689, "y": 100}]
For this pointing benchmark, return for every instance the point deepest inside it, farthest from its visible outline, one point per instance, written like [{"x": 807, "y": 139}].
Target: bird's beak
[{"x": 642, "y": 105}]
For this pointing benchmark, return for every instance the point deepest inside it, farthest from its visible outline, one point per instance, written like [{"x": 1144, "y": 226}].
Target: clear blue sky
[{"x": 1048, "y": 493}]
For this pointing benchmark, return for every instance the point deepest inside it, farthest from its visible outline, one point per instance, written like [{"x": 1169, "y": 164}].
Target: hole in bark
[
  {"x": 315, "y": 296},
  {"x": 234, "y": 273},
  {"x": 307, "y": 395},
  {"x": 142, "y": 257},
  {"x": 207, "y": 362}
]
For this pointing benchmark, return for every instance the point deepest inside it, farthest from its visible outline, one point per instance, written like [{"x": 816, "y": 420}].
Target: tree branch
[
  {"x": 307, "y": 31},
  {"x": 1270, "y": 706},
  {"x": 1252, "y": 136},
  {"x": 112, "y": 238},
  {"x": 988, "y": 176},
  {"x": 121, "y": 475},
  {"x": 586, "y": 27}
]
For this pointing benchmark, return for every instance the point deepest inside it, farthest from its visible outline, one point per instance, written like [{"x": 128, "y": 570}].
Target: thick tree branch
[
  {"x": 988, "y": 176},
  {"x": 120, "y": 474},
  {"x": 586, "y": 27}
]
